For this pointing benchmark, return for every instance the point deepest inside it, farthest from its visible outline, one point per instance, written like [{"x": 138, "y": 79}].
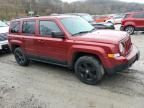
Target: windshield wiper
[
  {"x": 80, "y": 33},
  {"x": 84, "y": 32},
  {"x": 93, "y": 29}
]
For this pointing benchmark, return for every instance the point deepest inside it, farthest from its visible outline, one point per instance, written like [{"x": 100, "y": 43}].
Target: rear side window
[
  {"x": 138, "y": 15},
  {"x": 47, "y": 27},
  {"x": 15, "y": 27},
  {"x": 28, "y": 27}
]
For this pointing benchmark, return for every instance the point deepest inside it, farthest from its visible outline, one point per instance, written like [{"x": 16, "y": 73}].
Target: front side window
[
  {"x": 15, "y": 27},
  {"x": 76, "y": 25},
  {"x": 47, "y": 27},
  {"x": 28, "y": 27}
]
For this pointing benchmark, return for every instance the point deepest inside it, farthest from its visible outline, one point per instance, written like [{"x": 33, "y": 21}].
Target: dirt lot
[{"x": 46, "y": 86}]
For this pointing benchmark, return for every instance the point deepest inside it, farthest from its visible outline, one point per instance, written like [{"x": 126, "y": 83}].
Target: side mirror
[{"x": 58, "y": 35}]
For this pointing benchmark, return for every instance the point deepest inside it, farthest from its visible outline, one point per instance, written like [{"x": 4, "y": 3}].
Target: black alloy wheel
[
  {"x": 20, "y": 57},
  {"x": 89, "y": 70}
]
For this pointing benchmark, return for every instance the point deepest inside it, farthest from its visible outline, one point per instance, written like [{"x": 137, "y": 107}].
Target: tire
[
  {"x": 89, "y": 70},
  {"x": 20, "y": 57},
  {"x": 130, "y": 30}
]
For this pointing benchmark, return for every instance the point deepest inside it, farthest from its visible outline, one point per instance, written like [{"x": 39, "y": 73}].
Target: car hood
[
  {"x": 4, "y": 29},
  {"x": 106, "y": 36}
]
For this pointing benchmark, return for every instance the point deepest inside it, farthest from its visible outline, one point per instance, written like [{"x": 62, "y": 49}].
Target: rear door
[{"x": 28, "y": 32}]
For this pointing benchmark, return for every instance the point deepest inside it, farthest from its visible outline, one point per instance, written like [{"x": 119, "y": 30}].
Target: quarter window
[
  {"x": 47, "y": 27},
  {"x": 28, "y": 27},
  {"x": 15, "y": 27}
]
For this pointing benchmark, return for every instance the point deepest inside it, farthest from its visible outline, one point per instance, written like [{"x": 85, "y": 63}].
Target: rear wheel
[
  {"x": 20, "y": 57},
  {"x": 89, "y": 70},
  {"x": 130, "y": 30}
]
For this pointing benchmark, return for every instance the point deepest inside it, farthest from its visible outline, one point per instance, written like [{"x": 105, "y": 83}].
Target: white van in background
[
  {"x": 117, "y": 19},
  {"x": 4, "y": 28}
]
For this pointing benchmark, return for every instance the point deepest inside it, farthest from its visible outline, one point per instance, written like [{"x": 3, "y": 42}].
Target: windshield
[
  {"x": 2, "y": 24},
  {"x": 76, "y": 25},
  {"x": 88, "y": 18}
]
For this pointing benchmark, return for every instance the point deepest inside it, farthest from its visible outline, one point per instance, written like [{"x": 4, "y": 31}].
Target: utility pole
[
  {"x": 30, "y": 8},
  {"x": 16, "y": 4}
]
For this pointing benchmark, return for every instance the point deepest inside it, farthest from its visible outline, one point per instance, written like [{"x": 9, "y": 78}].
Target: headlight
[{"x": 121, "y": 48}]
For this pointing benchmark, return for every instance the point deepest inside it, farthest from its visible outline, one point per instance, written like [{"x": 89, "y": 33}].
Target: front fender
[{"x": 95, "y": 50}]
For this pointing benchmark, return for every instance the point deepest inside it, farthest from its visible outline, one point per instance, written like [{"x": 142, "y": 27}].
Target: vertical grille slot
[{"x": 127, "y": 43}]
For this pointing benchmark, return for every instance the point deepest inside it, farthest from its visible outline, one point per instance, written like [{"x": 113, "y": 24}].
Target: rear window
[
  {"x": 28, "y": 27},
  {"x": 15, "y": 27}
]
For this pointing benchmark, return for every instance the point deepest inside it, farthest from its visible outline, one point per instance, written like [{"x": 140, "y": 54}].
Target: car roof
[
  {"x": 45, "y": 17},
  {"x": 79, "y": 14}
]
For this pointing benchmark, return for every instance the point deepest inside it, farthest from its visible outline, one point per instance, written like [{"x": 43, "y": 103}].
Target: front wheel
[
  {"x": 130, "y": 30},
  {"x": 89, "y": 70},
  {"x": 20, "y": 57}
]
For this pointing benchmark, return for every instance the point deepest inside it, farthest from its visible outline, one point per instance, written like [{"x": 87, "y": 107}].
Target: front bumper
[
  {"x": 110, "y": 27},
  {"x": 124, "y": 62},
  {"x": 4, "y": 45}
]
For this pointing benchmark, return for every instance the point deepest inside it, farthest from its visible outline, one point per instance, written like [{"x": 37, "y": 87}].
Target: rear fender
[
  {"x": 16, "y": 42},
  {"x": 130, "y": 24}
]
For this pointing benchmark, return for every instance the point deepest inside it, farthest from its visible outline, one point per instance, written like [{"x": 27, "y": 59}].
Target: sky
[{"x": 136, "y": 1}]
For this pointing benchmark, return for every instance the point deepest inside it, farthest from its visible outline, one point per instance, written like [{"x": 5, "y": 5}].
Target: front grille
[
  {"x": 127, "y": 44},
  {"x": 3, "y": 36}
]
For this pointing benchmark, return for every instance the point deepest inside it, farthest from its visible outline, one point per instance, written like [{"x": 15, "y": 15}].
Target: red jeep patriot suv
[
  {"x": 72, "y": 42},
  {"x": 133, "y": 22}
]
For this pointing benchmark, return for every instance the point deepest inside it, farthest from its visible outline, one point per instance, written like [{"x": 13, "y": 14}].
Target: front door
[
  {"x": 52, "y": 49},
  {"x": 139, "y": 20}
]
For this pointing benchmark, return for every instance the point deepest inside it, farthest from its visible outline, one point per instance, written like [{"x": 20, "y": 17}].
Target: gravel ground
[{"x": 47, "y": 86}]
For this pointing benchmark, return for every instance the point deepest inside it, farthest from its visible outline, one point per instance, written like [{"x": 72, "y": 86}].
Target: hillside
[
  {"x": 104, "y": 7},
  {"x": 17, "y": 8}
]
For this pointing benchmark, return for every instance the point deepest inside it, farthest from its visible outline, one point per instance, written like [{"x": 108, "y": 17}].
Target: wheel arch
[
  {"x": 128, "y": 26},
  {"x": 77, "y": 55},
  {"x": 14, "y": 46}
]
